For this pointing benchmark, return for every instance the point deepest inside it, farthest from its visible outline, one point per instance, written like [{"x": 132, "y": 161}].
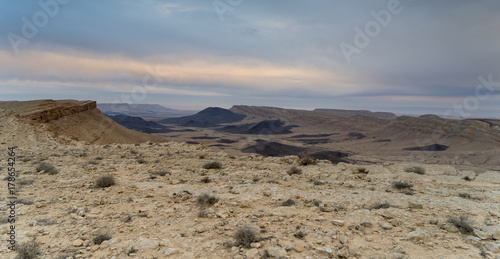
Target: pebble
[
  {"x": 78, "y": 242},
  {"x": 338, "y": 222},
  {"x": 386, "y": 225}
]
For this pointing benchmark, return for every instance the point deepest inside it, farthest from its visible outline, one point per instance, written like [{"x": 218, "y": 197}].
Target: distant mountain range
[
  {"x": 145, "y": 111},
  {"x": 348, "y": 113},
  {"x": 209, "y": 117}
]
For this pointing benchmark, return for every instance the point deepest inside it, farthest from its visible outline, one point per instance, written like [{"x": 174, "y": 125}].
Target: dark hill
[
  {"x": 433, "y": 147},
  {"x": 139, "y": 124},
  {"x": 210, "y": 117},
  {"x": 263, "y": 127},
  {"x": 271, "y": 148}
]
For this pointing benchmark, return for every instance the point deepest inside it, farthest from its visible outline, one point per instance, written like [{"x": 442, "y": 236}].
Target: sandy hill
[
  {"x": 320, "y": 121},
  {"x": 75, "y": 120},
  {"x": 430, "y": 129}
]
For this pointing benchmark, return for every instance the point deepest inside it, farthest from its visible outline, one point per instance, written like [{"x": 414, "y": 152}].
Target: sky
[{"x": 414, "y": 57}]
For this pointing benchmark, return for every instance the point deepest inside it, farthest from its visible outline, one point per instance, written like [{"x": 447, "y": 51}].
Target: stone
[
  {"x": 449, "y": 227},
  {"x": 78, "y": 242},
  {"x": 338, "y": 222},
  {"x": 470, "y": 175},
  {"x": 278, "y": 251},
  {"x": 482, "y": 235},
  {"x": 146, "y": 243},
  {"x": 417, "y": 235},
  {"x": 343, "y": 252},
  {"x": 325, "y": 250},
  {"x": 255, "y": 245},
  {"x": 365, "y": 223},
  {"x": 252, "y": 253},
  {"x": 386, "y": 225},
  {"x": 298, "y": 247},
  {"x": 496, "y": 233},
  {"x": 489, "y": 177},
  {"x": 170, "y": 251},
  {"x": 492, "y": 246}
]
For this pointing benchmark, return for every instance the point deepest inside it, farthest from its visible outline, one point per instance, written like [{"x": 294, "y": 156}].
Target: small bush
[
  {"x": 28, "y": 250},
  {"x": 206, "y": 180},
  {"x": 245, "y": 237},
  {"x": 212, "y": 165},
  {"x": 266, "y": 255},
  {"x": 317, "y": 182},
  {"x": 160, "y": 172},
  {"x": 47, "y": 168},
  {"x": 464, "y": 195},
  {"x": 93, "y": 162},
  {"x": 415, "y": 169},
  {"x": 25, "y": 202},
  {"x": 99, "y": 158},
  {"x": 142, "y": 161},
  {"x": 45, "y": 222},
  {"x": 307, "y": 161},
  {"x": 288, "y": 203},
  {"x": 299, "y": 235},
  {"x": 26, "y": 159},
  {"x": 206, "y": 200},
  {"x": 4, "y": 220},
  {"x": 401, "y": 185},
  {"x": 133, "y": 152},
  {"x": 362, "y": 170},
  {"x": 463, "y": 224},
  {"x": 25, "y": 182},
  {"x": 101, "y": 238},
  {"x": 132, "y": 250},
  {"x": 294, "y": 170},
  {"x": 380, "y": 206},
  {"x": 105, "y": 181}
]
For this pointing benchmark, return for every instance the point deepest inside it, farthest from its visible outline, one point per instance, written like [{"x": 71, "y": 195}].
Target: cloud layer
[{"x": 287, "y": 53}]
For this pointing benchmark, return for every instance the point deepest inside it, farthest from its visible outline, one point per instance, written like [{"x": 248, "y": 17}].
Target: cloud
[
  {"x": 282, "y": 48},
  {"x": 210, "y": 75}
]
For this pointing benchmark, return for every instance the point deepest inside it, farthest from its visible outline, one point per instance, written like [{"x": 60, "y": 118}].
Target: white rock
[
  {"x": 170, "y": 251},
  {"x": 492, "y": 246},
  {"x": 338, "y": 222},
  {"x": 489, "y": 177},
  {"x": 78, "y": 242},
  {"x": 253, "y": 253},
  {"x": 417, "y": 235},
  {"x": 386, "y": 225},
  {"x": 146, "y": 243}
]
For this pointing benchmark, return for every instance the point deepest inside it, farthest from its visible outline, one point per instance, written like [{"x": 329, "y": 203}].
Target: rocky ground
[{"x": 158, "y": 207}]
